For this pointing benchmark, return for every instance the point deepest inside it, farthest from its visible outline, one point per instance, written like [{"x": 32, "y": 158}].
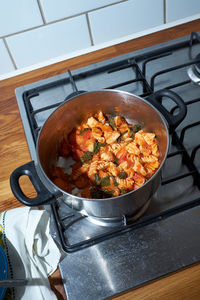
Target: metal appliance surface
[{"x": 103, "y": 261}]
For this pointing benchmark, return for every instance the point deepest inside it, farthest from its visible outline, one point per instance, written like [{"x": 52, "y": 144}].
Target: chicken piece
[
  {"x": 149, "y": 137},
  {"x": 90, "y": 145},
  {"x": 101, "y": 117},
  {"x": 92, "y": 122},
  {"x": 107, "y": 156},
  {"x": 96, "y": 133},
  {"x": 120, "y": 121},
  {"x": 106, "y": 128},
  {"x": 111, "y": 137},
  {"x": 124, "y": 129}
]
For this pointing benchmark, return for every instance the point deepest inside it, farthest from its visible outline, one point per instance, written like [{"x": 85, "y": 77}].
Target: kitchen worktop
[{"x": 14, "y": 152}]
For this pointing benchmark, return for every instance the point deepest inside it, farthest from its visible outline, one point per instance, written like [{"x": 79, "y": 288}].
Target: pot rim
[{"x": 56, "y": 188}]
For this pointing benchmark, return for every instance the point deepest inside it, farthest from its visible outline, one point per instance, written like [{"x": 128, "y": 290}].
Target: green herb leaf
[
  {"x": 115, "y": 182},
  {"x": 86, "y": 157},
  {"x": 105, "y": 181},
  {"x": 100, "y": 194},
  {"x": 97, "y": 146},
  {"x": 111, "y": 121},
  {"x": 83, "y": 131},
  {"x": 121, "y": 136},
  {"x": 123, "y": 191},
  {"x": 107, "y": 193},
  {"x": 116, "y": 161},
  {"x": 122, "y": 175},
  {"x": 97, "y": 179},
  {"x": 96, "y": 193},
  {"x": 119, "y": 139},
  {"x": 135, "y": 128}
]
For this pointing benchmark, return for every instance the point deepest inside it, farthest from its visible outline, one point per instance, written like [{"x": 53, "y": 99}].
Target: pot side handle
[
  {"x": 173, "y": 120},
  {"x": 43, "y": 194}
]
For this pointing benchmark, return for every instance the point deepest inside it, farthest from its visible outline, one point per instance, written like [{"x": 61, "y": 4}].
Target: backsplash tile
[
  {"x": 125, "y": 18},
  {"x": 179, "y": 9},
  {"x": 54, "y": 10},
  {"x": 47, "y": 31},
  {"x": 47, "y": 42},
  {"x": 18, "y": 15},
  {"x": 6, "y": 64}
]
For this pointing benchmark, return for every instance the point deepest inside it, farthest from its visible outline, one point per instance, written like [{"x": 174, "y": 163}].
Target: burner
[
  {"x": 118, "y": 222},
  {"x": 197, "y": 65},
  {"x": 194, "y": 71}
]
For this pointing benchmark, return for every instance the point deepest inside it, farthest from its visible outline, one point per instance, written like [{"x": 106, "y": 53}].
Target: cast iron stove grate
[{"x": 146, "y": 85}]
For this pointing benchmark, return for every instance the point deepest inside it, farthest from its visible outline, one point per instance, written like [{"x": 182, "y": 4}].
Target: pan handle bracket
[{"x": 172, "y": 120}]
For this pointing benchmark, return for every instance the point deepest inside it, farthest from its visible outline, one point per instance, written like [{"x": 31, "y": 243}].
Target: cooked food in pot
[{"x": 110, "y": 157}]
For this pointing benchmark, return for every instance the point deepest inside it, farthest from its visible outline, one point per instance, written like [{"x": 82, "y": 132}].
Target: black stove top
[{"x": 103, "y": 261}]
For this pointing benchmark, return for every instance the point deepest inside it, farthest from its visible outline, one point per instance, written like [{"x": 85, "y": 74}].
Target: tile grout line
[
  {"x": 41, "y": 11},
  {"x": 59, "y": 20},
  {"x": 89, "y": 29},
  {"x": 9, "y": 53},
  {"x": 164, "y": 11}
]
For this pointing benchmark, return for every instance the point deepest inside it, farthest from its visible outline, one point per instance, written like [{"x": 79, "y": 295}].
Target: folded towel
[{"x": 31, "y": 252}]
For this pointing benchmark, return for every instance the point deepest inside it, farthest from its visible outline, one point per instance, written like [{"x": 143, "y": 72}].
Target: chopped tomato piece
[
  {"x": 81, "y": 182},
  {"x": 72, "y": 137},
  {"x": 61, "y": 183},
  {"x": 77, "y": 153},
  {"x": 139, "y": 180},
  {"x": 87, "y": 134},
  {"x": 58, "y": 172},
  {"x": 64, "y": 149},
  {"x": 130, "y": 163},
  {"x": 86, "y": 193},
  {"x": 76, "y": 166},
  {"x": 102, "y": 173}
]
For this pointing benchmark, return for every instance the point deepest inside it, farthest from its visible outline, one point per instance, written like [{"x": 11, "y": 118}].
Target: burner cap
[
  {"x": 194, "y": 71},
  {"x": 197, "y": 65}
]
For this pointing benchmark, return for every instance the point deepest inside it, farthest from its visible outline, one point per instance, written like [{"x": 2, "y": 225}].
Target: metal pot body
[
  {"x": 78, "y": 109},
  {"x": 70, "y": 114}
]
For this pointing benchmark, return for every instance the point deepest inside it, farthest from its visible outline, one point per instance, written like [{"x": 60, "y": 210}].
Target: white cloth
[{"x": 31, "y": 252}]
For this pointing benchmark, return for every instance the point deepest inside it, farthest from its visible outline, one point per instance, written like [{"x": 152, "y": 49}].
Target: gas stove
[{"x": 108, "y": 257}]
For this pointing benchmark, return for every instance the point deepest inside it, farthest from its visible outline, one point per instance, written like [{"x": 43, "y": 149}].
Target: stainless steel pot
[{"x": 73, "y": 112}]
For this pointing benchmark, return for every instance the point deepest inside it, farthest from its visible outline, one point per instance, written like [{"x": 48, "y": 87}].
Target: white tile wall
[
  {"x": 54, "y": 10},
  {"x": 125, "y": 18},
  {"x": 5, "y": 61},
  {"x": 178, "y": 9},
  {"x": 50, "y": 41},
  {"x": 36, "y": 31},
  {"x": 17, "y": 15}
]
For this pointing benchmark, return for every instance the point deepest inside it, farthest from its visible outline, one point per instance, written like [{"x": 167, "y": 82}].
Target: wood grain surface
[{"x": 14, "y": 152}]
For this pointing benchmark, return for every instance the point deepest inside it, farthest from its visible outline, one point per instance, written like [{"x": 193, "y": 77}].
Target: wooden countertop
[{"x": 14, "y": 152}]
